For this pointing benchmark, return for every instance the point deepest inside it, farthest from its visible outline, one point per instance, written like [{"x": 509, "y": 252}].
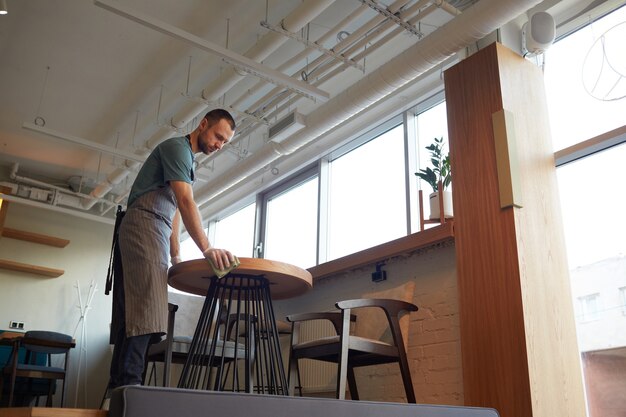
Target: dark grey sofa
[{"x": 138, "y": 401}]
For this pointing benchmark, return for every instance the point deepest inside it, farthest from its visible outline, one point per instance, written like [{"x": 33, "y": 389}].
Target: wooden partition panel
[{"x": 517, "y": 325}]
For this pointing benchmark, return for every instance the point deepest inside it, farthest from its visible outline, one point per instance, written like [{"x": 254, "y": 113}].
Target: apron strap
[{"x": 114, "y": 261}]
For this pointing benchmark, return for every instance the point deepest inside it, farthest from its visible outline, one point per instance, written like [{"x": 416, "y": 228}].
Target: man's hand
[
  {"x": 221, "y": 258},
  {"x": 175, "y": 260}
]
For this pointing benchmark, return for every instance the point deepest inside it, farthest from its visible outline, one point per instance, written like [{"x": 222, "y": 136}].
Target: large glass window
[
  {"x": 236, "y": 232},
  {"x": 585, "y": 77},
  {"x": 291, "y": 225},
  {"x": 367, "y": 194},
  {"x": 189, "y": 250}
]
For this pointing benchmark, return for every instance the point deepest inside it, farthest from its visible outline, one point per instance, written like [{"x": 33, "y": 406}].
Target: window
[
  {"x": 580, "y": 83},
  {"x": 429, "y": 124},
  {"x": 589, "y": 307},
  {"x": 622, "y": 300},
  {"x": 589, "y": 197},
  {"x": 585, "y": 76},
  {"x": 189, "y": 250},
  {"x": 366, "y": 195},
  {"x": 236, "y": 232},
  {"x": 291, "y": 223}
]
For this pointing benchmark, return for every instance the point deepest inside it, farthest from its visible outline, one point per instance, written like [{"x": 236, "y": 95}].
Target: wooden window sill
[{"x": 403, "y": 245}]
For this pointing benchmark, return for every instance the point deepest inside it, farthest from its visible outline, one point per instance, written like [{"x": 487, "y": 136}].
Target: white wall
[
  {"x": 52, "y": 303},
  {"x": 44, "y": 303}
]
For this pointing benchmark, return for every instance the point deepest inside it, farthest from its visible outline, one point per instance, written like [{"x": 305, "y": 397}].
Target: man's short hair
[{"x": 214, "y": 116}]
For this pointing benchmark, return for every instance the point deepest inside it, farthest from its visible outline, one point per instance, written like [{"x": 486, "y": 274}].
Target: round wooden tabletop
[{"x": 285, "y": 280}]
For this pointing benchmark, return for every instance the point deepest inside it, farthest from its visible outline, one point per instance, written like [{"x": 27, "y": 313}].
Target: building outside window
[
  {"x": 622, "y": 300},
  {"x": 589, "y": 307}
]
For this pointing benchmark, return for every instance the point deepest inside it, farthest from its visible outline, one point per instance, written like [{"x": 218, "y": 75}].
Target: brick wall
[{"x": 434, "y": 335}]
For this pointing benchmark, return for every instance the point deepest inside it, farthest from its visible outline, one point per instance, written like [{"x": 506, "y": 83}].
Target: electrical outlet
[{"x": 18, "y": 325}]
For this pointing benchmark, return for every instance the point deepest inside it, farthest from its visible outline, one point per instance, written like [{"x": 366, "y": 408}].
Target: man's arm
[
  {"x": 174, "y": 239},
  {"x": 193, "y": 223}
]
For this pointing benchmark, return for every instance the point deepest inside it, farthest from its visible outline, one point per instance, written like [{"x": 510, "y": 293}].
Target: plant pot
[{"x": 434, "y": 205}]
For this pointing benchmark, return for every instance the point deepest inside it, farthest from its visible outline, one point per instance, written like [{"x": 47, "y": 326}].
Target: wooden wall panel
[{"x": 512, "y": 276}]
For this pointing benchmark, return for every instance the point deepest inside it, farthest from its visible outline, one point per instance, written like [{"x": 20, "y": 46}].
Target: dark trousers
[{"x": 129, "y": 357}]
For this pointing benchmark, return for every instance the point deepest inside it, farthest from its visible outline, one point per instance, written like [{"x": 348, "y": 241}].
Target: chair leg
[
  {"x": 12, "y": 389},
  {"x": 354, "y": 393},
  {"x": 51, "y": 384},
  {"x": 406, "y": 379},
  {"x": 294, "y": 374},
  {"x": 342, "y": 364}
]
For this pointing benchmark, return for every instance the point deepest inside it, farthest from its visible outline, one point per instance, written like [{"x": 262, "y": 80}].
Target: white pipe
[
  {"x": 19, "y": 200},
  {"x": 302, "y": 15},
  {"x": 352, "y": 43},
  {"x": 475, "y": 23},
  {"x": 303, "y": 54},
  {"x": 278, "y": 109},
  {"x": 269, "y": 43},
  {"x": 84, "y": 142}
]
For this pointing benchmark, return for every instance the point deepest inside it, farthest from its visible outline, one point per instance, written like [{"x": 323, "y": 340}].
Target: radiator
[{"x": 317, "y": 376}]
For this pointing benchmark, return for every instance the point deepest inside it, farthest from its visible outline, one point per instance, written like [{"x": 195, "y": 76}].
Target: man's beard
[{"x": 204, "y": 148}]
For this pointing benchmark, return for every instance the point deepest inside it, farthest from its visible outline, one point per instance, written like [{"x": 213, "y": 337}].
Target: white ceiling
[{"x": 75, "y": 68}]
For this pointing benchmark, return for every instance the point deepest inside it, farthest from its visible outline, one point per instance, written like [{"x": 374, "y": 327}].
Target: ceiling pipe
[
  {"x": 350, "y": 49},
  {"x": 204, "y": 159},
  {"x": 266, "y": 45},
  {"x": 304, "y": 53},
  {"x": 475, "y": 23},
  {"x": 269, "y": 43},
  {"x": 278, "y": 108}
]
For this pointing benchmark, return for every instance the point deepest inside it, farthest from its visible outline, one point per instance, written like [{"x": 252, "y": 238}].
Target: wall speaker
[{"x": 538, "y": 33}]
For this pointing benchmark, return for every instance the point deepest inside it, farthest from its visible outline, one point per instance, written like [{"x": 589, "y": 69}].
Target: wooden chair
[
  {"x": 38, "y": 343},
  {"x": 175, "y": 349},
  {"x": 351, "y": 351},
  {"x": 163, "y": 350}
]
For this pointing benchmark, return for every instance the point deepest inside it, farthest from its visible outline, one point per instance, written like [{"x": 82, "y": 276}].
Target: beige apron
[{"x": 144, "y": 242}]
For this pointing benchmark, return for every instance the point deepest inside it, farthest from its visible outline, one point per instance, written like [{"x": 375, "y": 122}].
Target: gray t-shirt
[{"x": 171, "y": 160}]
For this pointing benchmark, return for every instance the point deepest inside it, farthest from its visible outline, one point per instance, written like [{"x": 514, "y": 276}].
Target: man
[{"x": 160, "y": 196}]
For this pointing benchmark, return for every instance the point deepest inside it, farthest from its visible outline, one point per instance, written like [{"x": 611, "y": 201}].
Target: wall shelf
[
  {"x": 29, "y": 237},
  {"x": 34, "y": 237},
  {"x": 33, "y": 269}
]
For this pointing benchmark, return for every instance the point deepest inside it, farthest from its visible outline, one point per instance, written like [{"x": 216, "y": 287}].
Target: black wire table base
[{"x": 236, "y": 346}]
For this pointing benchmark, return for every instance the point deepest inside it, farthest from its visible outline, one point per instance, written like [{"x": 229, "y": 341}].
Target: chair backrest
[
  {"x": 42, "y": 341},
  {"x": 372, "y": 323}
]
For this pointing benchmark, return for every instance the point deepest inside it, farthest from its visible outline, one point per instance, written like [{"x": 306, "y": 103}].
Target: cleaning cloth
[{"x": 221, "y": 272}]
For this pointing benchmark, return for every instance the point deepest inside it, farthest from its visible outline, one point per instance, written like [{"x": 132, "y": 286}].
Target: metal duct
[{"x": 472, "y": 25}]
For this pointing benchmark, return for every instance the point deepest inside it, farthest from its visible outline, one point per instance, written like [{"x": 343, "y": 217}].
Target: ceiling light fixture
[
  {"x": 3, "y": 7},
  {"x": 250, "y": 66}
]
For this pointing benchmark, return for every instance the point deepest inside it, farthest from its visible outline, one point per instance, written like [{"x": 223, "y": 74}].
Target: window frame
[{"x": 263, "y": 198}]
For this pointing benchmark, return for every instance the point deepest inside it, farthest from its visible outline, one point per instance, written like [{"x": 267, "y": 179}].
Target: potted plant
[{"x": 438, "y": 174}]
